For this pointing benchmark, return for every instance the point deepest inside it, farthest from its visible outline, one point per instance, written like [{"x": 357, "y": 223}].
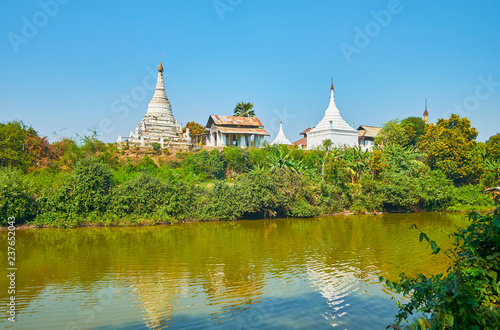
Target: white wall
[{"x": 338, "y": 138}]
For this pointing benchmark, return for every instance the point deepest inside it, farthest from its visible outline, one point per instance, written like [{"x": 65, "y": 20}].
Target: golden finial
[
  {"x": 160, "y": 67},
  {"x": 332, "y": 84}
]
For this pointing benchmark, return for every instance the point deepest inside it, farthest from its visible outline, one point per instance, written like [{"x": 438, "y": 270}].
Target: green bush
[
  {"x": 91, "y": 185},
  {"x": 87, "y": 191},
  {"x": 20, "y": 145},
  {"x": 147, "y": 195},
  {"x": 436, "y": 190},
  {"x": 302, "y": 209},
  {"x": 333, "y": 198},
  {"x": 210, "y": 165},
  {"x": 368, "y": 195},
  {"x": 16, "y": 196},
  {"x": 139, "y": 195},
  {"x": 223, "y": 202},
  {"x": 237, "y": 159},
  {"x": 470, "y": 198}
]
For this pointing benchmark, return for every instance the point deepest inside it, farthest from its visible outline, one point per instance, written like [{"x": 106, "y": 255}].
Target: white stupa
[
  {"x": 158, "y": 124},
  {"x": 281, "y": 138},
  {"x": 332, "y": 127}
]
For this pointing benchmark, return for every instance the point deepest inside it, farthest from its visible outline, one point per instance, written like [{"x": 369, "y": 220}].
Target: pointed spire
[
  {"x": 281, "y": 138},
  {"x": 160, "y": 67},
  {"x": 426, "y": 114},
  {"x": 332, "y": 97}
]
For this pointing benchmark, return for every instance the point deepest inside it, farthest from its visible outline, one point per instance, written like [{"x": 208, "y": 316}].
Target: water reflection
[{"x": 291, "y": 273}]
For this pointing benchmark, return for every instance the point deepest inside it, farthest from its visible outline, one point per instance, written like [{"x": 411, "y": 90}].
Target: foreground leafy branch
[{"x": 468, "y": 297}]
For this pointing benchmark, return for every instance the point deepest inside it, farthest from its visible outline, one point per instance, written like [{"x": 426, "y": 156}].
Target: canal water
[{"x": 261, "y": 274}]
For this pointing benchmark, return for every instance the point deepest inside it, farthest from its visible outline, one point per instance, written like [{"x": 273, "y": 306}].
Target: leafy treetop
[
  {"x": 194, "y": 128},
  {"x": 493, "y": 147},
  {"x": 450, "y": 146},
  {"x": 244, "y": 109}
]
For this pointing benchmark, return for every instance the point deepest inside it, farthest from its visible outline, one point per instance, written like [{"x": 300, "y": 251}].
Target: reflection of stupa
[
  {"x": 334, "y": 285},
  {"x": 158, "y": 124},
  {"x": 158, "y": 296}
]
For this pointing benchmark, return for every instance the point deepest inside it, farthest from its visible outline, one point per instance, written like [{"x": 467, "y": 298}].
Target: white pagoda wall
[{"x": 338, "y": 138}]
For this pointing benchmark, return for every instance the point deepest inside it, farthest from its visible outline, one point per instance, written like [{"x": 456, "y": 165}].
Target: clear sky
[{"x": 72, "y": 65}]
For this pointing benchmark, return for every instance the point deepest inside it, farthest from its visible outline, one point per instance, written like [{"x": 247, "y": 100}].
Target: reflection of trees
[{"x": 230, "y": 262}]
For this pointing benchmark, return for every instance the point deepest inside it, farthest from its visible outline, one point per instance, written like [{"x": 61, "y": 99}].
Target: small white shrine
[
  {"x": 332, "y": 127},
  {"x": 281, "y": 138}
]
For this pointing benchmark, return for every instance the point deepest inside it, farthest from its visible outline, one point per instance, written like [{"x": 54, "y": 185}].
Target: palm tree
[{"x": 244, "y": 109}]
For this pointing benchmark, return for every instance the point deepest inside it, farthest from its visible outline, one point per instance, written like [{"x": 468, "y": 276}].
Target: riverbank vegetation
[
  {"x": 415, "y": 167},
  {"x": 468, "y": 296}
]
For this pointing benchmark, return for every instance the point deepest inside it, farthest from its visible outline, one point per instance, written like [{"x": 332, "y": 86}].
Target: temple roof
[
  {"x": 368, "y": 131},
  {"x": 235, "y": 120},
  {"x": 301, "y": 142},
  {"x": 306, "y": 131},
  {"x": 281, "y": 138}
]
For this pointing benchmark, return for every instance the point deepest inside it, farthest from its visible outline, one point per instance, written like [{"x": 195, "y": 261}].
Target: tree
[
  {"x": 493, "y": 147},
  {"x": 417, "y": 126},
  {"x": 392, "y": 132},
  {"x": 195, "y": 129},
  {"x": 20, "y": 145},
  {"x": 450, "y": 146},
  {"x": 244, "y": 109}
]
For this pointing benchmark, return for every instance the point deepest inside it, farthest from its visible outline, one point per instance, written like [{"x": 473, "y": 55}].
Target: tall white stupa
[
  {"x": 281, "y": 138},
  {"x": 158, "y": 124},
  {"x": 332, "y": 127}
]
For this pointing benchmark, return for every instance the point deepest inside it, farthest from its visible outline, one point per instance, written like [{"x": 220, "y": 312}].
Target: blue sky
[{"x": 68, "y": 66}]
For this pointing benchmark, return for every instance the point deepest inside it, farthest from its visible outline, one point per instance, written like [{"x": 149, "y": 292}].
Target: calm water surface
[{"x": 272, "y": 274}]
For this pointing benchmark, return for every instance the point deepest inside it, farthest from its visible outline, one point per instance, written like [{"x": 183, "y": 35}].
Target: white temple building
[
  {"x": 158, "y": 124},
  {"x": 281, "y": 138},
  {"x": 332, "y": 127}
]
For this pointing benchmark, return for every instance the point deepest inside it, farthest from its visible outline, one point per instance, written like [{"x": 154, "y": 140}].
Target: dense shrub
[
  {"x": 146, "y": 195},
  {"x": 87, "y": 191},
  {"x": 237, "y": 159},
  {"x": 436, "y": 190},
  {"x": 139, "y": 195},
  {"x": 210, "y": 165},
  {"x": 470, "y": 198},
  {"x": 333, "y": 198},
  {"x": 20, "y": 145},
  {"x": 16, "y": 194},
  {"x": 91, "y": 185},
  {"x": 368, "y": 195}
]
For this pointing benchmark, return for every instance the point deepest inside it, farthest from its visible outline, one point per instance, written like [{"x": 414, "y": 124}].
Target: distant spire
[
  {"x": 426, "y": 114},
  {"x": 332, "y": 97},
  {"x": 160, "y": 67}
]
